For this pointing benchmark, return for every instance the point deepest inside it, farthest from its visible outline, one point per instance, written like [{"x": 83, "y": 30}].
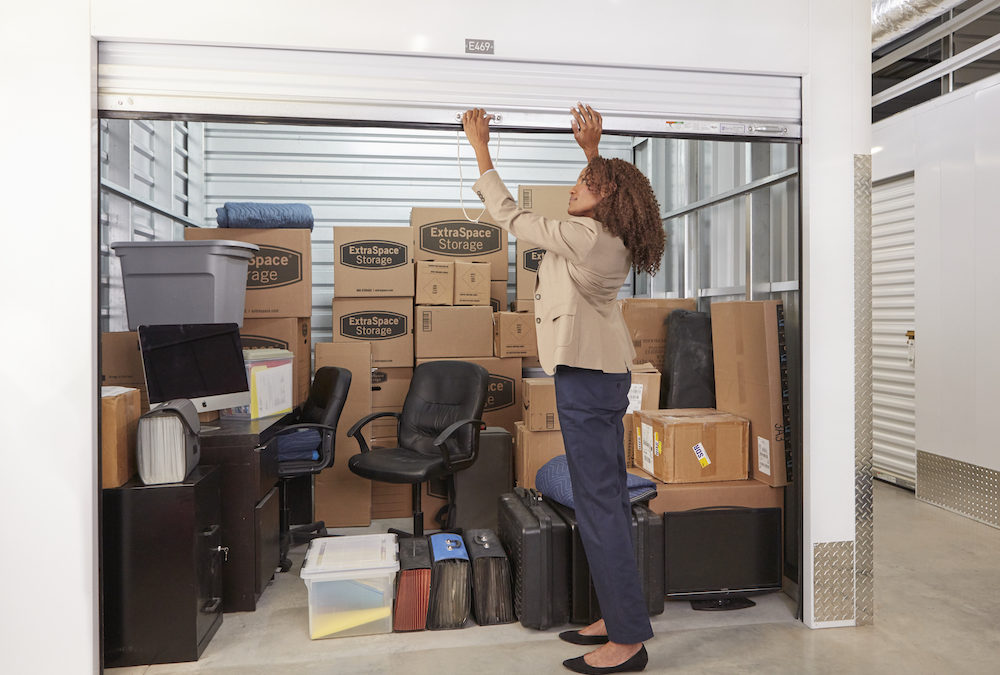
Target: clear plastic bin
[
  {"x": 351, "y": 582},
  {"x": 169, "y": 282}
]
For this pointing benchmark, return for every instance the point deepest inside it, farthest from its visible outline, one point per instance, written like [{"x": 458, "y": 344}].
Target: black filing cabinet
[
  {"x": 162, "y": 571},
  {"x": 250, "y": 508}
]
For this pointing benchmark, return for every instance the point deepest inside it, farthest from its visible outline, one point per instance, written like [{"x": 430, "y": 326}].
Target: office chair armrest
[
  {"x": 303, "y": 425},
  {"x": 448, "y": 433},
  {"x": 355, "y": 430}
]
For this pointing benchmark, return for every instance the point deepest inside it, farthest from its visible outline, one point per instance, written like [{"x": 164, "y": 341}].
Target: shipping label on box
[
  {"x": 341, "y": 498},
  {"x": 751, "y": 380},
  {"x": 119, "y": 426},
  {"x": 472, "y": 283},
  {"x": 445, "y": 234},
  {"x": 514, "y": 334},
  {"x": 435, "y": 282},
  {"x": 121, "y": 364},
  {"x": 372, "y": 262},
  {"x": 456, "y": 332},
  {"x": 293, "y": 334},
  {"x": 279, "y": 275},
  {"x": 498, "y": 296},
  {"x": 692, "y": 445},
  {"x": 503, "y": 396},
  {"x": 646, "y": 320},
  {"x": 384, "y": 322}
]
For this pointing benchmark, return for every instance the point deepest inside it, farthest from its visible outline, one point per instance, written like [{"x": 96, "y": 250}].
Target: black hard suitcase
[
  {"x": 647, "y": 535},
  {"x": 537, "y": 543}
]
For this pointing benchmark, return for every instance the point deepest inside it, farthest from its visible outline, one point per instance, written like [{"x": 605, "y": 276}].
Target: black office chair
[
  {"x": 306, "y": 446},
  {"x": 438, "y": 432}
]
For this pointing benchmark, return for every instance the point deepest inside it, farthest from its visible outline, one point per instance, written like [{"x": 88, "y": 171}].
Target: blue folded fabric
[
  {"x": 263, "y": 215},
  {"x": 301, "y": 445},
  {"x": 552, "y": 480}
]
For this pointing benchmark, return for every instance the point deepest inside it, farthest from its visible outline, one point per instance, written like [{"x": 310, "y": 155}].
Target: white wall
[
  {"x": 952, "y": 144},
  {"x": 46, "y": 62},
  {"x": 48, "y": 614}
]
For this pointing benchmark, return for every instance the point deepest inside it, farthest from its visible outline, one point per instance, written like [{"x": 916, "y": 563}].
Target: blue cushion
[
  {"x": 301, "y": 445},
  {"x": 552, "y": 480}
]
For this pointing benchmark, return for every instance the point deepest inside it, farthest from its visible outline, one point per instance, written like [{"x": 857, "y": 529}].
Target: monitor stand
[{"x": 723, "y": 604}]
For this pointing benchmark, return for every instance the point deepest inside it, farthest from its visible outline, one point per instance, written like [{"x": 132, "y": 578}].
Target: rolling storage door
[{"x": 893, "y": 419}]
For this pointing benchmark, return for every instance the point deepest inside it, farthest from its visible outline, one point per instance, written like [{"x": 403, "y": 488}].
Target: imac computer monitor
[
  {"x": 716, "y": 556},
  {"x": 200, "y": 362}
]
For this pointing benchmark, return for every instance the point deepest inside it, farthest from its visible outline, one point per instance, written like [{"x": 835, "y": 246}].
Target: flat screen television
[
  {"x": 202, "y": 362},
  {"x": 717, "y": 556}
]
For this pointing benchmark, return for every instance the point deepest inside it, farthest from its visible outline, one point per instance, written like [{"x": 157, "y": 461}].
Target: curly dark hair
[{"x": 628, "y": 209}]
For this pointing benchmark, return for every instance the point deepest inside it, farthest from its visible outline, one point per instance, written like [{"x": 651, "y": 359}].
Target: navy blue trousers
[{"x": 591, "y": 404}]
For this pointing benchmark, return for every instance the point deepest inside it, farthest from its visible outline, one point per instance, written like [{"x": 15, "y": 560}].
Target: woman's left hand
[{"x": 477, "y": 127}]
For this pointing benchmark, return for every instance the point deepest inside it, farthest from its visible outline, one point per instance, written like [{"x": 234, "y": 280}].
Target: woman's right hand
[{"x": 587, "y": 126}]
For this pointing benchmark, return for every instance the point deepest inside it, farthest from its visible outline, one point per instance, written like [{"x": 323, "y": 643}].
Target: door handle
[{"x": 224, "y": 550}]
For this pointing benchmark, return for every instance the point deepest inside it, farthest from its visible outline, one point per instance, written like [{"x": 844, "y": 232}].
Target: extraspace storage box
[
  {"x": 503, "y": 398},
  {"x": 351, "y": 584},
  {"x": 293, "y": 334},
  {"x": 751, "y": 380},
  {"x": 460, "y": 332},
  {"x": 435, "y": 282},
  {"x": 514, "y": 334},
  {"x": 472, "y": 283},
  {"x": 372, "y": 262},
  {"x": 691, "y": 445},
  {"x": 646, "y": 321},
  {"x": 121, "y": 364},
  {"x": 279, "y": 275},
  {"x": 341, "y": 498},
  {"x": 119, "y": 423},
  {"x": 532, "y": 449},
  {"x": 550, "y": 201},
  {"x": 446, "y": 234},
  {"x": 384, "y": 322}
]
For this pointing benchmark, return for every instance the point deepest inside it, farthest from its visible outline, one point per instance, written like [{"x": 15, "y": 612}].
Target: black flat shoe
[
  {"x": 636, "y": 663},
  {"x": 577, "y": 638}
]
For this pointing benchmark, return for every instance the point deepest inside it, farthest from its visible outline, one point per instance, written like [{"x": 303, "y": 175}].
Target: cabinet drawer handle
[
  {"x": 209, "y": 531},
  {"x": 224, "y": 550},
  {"x": 212, "y": 607}
]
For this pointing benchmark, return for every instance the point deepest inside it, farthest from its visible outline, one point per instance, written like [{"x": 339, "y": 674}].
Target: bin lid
[
  {"x": 357, "y": 553},
  {"x": 266, "y": 354},
  {"x": 194, "y": 243}
]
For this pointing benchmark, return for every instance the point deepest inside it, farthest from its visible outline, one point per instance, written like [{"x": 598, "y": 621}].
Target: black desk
[{"x": 250, "y": 508}]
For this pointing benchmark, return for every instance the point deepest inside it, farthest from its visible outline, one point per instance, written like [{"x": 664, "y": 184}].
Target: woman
[{"x": 582, "y": 340}]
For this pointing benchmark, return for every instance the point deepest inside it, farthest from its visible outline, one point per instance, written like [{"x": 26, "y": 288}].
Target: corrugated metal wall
[
  {"x": 370, "y": 176},
  {"x": 893, "y": 314}
]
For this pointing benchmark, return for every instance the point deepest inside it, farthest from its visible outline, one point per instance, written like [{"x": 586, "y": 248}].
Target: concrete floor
[{"x": 937, "y": 605}]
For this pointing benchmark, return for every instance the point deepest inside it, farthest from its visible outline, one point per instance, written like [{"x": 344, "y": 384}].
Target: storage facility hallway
[{"x": 936, "y": 595}]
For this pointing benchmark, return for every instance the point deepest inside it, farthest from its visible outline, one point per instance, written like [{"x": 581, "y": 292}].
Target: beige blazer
[{"x": 577, "y": 318}]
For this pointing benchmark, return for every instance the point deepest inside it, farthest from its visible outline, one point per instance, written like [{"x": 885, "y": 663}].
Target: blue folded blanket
[
  {"x": 552, "y": 480},
  {"x": 262, "y": 215},
  {"x": 299, "y": 445}
]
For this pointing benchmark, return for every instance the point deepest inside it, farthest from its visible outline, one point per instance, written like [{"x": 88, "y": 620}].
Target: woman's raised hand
[
  {"x": 587, "y": 125},
  {"x": 477, "y": 127}
]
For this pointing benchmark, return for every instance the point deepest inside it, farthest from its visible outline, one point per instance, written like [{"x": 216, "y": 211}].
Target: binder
[
  {"x": 492, "y": 594},
  {"x": 413, "y": 587},
  {"x": 451, "y": 583}
]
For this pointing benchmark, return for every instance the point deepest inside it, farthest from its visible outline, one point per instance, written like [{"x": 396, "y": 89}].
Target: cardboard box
[
  {"x": 472, "y": 283},
  {"x": 498, "y": 296},
  {"x": 644, "y": 394},
  {"x": 446, "y": 234},
  {"x": 685, "y": 496},
  {"x": 750, "y": 380},
  {"x": 119, "y": 424},
  {"x": 279, "y": 275},
  {"x": 550, "y": 201},
  {"x": 532, "y": 449},
  {"x": 389, "y": 387},
  {"x": 341, "y": 498},
  {"x": 457, "y": 332},
  {"x": 503, "y": 399},
  {"x": 121, "y": 364},
  {"x": 646, "y": 321},
  {"x": 293, "y": 334},
  {"x": 435, "y": 282},
  {"x": 384, "y": 322},
  {"x": 370, "y": 262},
  {"x": 691, "y": 445},
  {"x": 514, "y": 334}
]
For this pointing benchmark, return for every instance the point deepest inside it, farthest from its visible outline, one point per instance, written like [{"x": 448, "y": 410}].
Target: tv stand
[{"x": 723, "y": 604}]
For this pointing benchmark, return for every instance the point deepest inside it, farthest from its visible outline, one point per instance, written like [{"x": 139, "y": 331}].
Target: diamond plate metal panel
[
  {"x": 863, "y": 507},
  {"x": 964, "y": 488},
  {"x": 833, "y": 578}
]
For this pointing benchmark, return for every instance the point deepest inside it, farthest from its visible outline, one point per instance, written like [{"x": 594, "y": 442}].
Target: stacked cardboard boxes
[{"x": 278, "y": 308}]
